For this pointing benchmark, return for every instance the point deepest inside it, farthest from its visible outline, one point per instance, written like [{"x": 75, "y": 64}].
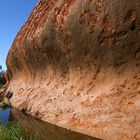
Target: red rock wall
[{"x": 76, "y": 63}]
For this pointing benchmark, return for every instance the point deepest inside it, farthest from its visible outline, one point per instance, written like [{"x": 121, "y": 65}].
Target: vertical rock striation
[{"x": 76, "y": 63}]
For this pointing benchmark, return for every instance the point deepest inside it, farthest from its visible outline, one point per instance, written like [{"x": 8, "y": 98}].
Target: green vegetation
[
  {"x": 4, "y": 102},
  {"x": 13, "y": 131},
  {"x": 1, "y": 87}
]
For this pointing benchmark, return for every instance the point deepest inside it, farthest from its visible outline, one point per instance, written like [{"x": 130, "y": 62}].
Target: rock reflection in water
[{"x": 45, "y": 131}]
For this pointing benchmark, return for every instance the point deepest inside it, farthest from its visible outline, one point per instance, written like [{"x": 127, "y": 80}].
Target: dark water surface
[{"x": 43, "y": 130}]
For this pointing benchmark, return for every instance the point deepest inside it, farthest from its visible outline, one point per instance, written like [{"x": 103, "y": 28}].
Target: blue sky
[{"x": 13, "y": 14}]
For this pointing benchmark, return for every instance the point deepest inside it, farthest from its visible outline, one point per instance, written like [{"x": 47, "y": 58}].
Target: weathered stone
[{"x": 75, "y": 63}]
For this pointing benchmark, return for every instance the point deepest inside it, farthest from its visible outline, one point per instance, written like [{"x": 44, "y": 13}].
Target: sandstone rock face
[{"x": 76, "y": 63}]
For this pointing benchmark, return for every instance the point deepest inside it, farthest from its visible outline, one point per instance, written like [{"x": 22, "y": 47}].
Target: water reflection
[
  {"x": 43, "y": 130},
  {"x": 4, "y": 115}
]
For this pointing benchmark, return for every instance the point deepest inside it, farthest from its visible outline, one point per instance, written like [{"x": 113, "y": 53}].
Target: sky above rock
[{"x": 13, "y": 14}]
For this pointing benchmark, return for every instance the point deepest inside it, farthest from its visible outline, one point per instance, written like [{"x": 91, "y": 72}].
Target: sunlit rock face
[{"x": 76, "y": 63}]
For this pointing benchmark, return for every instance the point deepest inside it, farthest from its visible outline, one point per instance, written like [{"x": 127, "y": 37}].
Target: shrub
[{"x": 13, "y": 131}]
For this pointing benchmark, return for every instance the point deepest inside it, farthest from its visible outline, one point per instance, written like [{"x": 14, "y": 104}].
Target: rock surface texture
[{"x": 76, "y": 63}]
